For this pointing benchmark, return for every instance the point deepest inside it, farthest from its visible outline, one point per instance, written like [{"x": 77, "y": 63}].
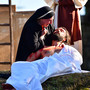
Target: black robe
[{"x": 30, "y": 39}]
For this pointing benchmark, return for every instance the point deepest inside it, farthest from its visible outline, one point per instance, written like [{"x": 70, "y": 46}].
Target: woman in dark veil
[{"x": 35, "y": 33}]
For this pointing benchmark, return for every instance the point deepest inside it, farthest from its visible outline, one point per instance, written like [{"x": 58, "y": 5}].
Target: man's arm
[
  {"x": 48, "y": 51},
  {"x": 34, "y": 56}
]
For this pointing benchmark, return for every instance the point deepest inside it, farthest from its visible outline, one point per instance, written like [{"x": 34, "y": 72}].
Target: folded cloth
[{"x": 29, "y": 75}]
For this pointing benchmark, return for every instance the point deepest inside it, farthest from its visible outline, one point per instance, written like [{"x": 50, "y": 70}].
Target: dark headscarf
[{"x": 42, "y": 13}]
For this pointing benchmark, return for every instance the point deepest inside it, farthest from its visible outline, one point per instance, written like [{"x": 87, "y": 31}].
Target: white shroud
[{"x": 29, "y": 75}]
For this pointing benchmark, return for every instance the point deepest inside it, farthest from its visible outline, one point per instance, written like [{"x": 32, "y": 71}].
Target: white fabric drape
[
  {"x": 29, "y": 75},
  {"x": 79, "y": 3},
  {"x": 56, "y": 14}
]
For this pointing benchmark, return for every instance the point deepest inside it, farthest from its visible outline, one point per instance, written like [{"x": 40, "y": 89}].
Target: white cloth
[
  {"x": 79, "y": 3},
  {"x": 56, "y": 14},
  {"x": 78, "y": 46},
  {"x": 29, "y": 75}
]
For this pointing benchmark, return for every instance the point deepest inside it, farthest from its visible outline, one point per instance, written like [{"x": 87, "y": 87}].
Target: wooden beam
[{"x": 4, "y": 24}]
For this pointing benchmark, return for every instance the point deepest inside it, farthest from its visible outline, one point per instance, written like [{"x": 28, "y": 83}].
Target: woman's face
[{"x": 46, "y": 22}]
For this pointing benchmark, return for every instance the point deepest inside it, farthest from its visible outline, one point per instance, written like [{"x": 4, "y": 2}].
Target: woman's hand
[{"x": 44, "y": 32}]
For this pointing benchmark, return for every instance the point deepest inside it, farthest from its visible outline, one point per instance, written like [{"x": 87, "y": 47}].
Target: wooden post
[{"x": 11, "y": 33}]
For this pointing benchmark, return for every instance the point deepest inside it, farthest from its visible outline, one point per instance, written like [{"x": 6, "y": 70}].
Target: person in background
[
  {"x": 67, "y": 15},
  {"x": 35, "y": 33},
  {"x": 59, "y": 37}
]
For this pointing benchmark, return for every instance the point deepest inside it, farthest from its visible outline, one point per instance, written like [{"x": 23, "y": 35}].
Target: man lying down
[{"x": 27, "y": 75}]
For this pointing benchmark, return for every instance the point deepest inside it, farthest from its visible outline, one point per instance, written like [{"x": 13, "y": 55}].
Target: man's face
[
  {"x": 46, "y": 22},
  {"x": 61, "y": 31}
]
